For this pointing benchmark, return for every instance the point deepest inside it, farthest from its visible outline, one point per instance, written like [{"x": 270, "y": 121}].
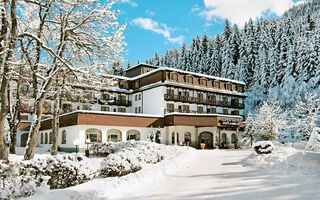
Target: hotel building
[{"x": 166, "y": 105}]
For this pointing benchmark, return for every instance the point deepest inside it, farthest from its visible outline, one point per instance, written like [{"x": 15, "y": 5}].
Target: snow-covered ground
[{"x": 209, "y": 174}]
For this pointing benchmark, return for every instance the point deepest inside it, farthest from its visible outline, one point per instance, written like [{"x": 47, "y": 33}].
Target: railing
[
  {"x": 195, "y": 112},
  {"x": 117, "y": 102},
  {"x": 211, "y": 102}
]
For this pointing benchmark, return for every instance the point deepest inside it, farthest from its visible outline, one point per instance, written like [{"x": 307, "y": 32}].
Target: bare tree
[
  {"x": 7, "y": 45},
  {"x": 72, "y": 35}
]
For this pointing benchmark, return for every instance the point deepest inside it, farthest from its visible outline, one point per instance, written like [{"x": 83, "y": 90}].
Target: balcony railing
[
  {"x": 195, "y": 112},
  {"x": 117, "y": 102},
  {"x": 211, "y": 102}
]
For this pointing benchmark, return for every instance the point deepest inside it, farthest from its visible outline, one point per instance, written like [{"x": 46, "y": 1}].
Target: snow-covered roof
[
  {"x": 108, "y": 113},
  {"x": 182, "y": 71},
  {"x": 137, "y": 65}
]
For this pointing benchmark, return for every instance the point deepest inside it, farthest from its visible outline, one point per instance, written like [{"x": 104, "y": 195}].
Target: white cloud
[
  {"x": 132, "y": 3},
  {"x": 239, "y": 11},
  {"x": 154, "y": 26}
]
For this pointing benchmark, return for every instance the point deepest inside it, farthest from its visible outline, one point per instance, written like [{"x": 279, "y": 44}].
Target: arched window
[
  {"x": 187, "y": 138},
  {"x": 94, "y": 135},
  {"x": 63, "y": 137},
  {"x": 46, "y": 138},
  {"x": 173, "y": 135},
  {"x": 41, "y": 138},
  {"x": 50, "y": 137},
  {"x": 114, "y": 135},
  {"x": 133, "y": 135},
  {"x": 233, "y": 138}
]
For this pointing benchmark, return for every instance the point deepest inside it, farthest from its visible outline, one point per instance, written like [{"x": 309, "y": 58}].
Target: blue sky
[{"x": 158, "y": 25}]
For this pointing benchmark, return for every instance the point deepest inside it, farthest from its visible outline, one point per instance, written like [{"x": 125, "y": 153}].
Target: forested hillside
[{"x": 276, "y": 58}]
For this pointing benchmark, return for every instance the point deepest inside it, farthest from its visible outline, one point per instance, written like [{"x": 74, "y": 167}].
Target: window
[
  {"x": 136, "y": 84},
  {"x": 170, "y": 107},
  {"x": 85, "y": 107},
  {"x": 50, "y": 138},
  {"x": 200, "y": 97},
  {"x": 105, "y": 96},
  {"x": 105, "y": 108},
  {"x": 139, "y": 96},
  {"x": 63, "y": 137},
  {"x": 174, "y": 76},
  {"x": 235, "y": 112},
  {"x": 229, "y": 86},
  {"x": 216, "y": 84},
  {"x": 185, "y": 108},
  {"x": 25, "y": 88},
  {"x": 189, "y": 79},
  {"x": 95, "y": 135},
  {"x": 136, "y": 110},
  {"x": 45, "y": 138},
  {"x": 123, "y": 84},
  {"x": 24, "y": 117},
  {"x": 212, "y": 110},
  {"x": 240, "y": 88},
  {"x": 225, "y": 111},
  {"x": 122, "y": 97},
  {"x": 136, "y": 97},
  {"x": 187, "y": 138},
  {"x": 170, "y": 92},
  {"x": 133, "y": 135},
  {"x": 41, "y": 138},
  {"x": 225, "y": 101},
  {"x": 122, "y": 110},
  {"x": 114, "y": 135},
  {"x": 140, "y": 110},
  {"x": 173, "y": 138},
  {"x": 199, "y": 109},
  {"x": 203, "y": 82}
]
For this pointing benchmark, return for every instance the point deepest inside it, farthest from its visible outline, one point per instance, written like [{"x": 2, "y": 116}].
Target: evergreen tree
[{"x": 249, "y": 131}]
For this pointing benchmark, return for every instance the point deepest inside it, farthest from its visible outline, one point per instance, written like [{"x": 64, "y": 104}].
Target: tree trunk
[
  {"x": 34, "y": 131},
  {"x": 15, "y": 121},
  {"x": 6, "y": 70},
  {"x": 55, "y": 119}
]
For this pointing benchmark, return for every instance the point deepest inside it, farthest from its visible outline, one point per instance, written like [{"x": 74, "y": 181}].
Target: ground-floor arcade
[{"x": 214, "y": 131}]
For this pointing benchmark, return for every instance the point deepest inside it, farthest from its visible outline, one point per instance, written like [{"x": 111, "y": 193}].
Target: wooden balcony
[{"x": 211, "y": 102}]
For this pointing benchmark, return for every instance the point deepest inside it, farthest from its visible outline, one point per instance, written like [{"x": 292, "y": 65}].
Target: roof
[
  {"x": 181, "y": 71},
  {"x": 141, "y": 64}
]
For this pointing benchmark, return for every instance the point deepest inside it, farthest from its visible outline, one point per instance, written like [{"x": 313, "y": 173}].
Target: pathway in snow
[{"x": 217, "y": 174}]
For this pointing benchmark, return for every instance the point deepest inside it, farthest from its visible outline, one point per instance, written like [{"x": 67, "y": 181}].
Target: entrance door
[{"x": 206, "y": 138}]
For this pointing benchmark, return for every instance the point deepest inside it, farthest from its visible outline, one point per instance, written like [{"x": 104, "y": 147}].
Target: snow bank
[
  {"x": 175, "y": 157},
  {"x": 314, "y": 140},
  {"x": 285, "y": 158}
]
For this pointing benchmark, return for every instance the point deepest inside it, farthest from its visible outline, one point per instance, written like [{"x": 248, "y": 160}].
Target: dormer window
[
  {"x": 216, "y": 84},
  {"x": 203, "y": 82},
  {"x": 229, "y": 86},
  {"x": 240, "y": 88},
  {"x": 173, "y": 76},
  {"x": 189, "y": 79},
  {"x": 136, "y": 84},
  {"x": 123, "y": 84}
]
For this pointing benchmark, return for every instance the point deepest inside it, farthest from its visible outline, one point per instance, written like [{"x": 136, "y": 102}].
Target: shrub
[
  {"x": 128, "y": 157},
  {"x": 21, "y": 179},
  {"x": 263, "y": 147}
]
